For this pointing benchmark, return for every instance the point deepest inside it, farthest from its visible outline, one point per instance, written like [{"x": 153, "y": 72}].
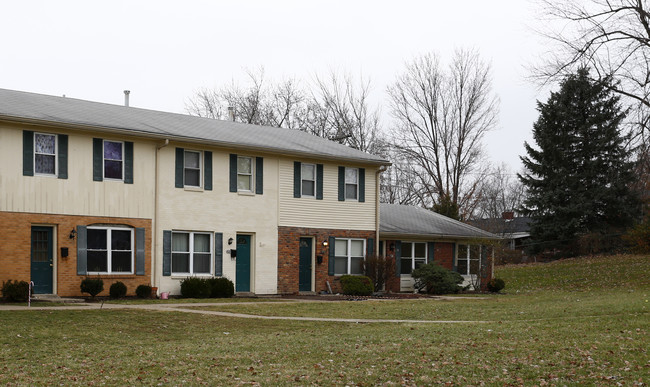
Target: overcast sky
[{"x": 163, "y": 51}]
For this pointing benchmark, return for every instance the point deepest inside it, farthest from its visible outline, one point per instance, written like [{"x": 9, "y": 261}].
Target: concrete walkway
[{"x": 190, "y": 308}]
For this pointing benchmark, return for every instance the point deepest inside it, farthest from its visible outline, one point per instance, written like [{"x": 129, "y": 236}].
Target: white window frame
[
  {"x": 468, "y": 258},
  {"x": 250, "y": 175},
  {"x": 302, "y": 178},
  {"x": 356, "y": 185},
  {"x": 56, "y": 154},
  {"x": 349, "y": 255},
  {"x": 104, "y": 159},
  {"x": 192, "y": 252},
  {"x": 200, "y": 168},
  {"x": 412, "y": 258},
  {"x": 109, "y": 251}
]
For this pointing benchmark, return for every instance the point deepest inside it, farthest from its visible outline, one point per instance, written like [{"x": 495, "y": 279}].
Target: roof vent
[
  {"x": 126, "y": 97},
  {"x": 231, "y": 113}
]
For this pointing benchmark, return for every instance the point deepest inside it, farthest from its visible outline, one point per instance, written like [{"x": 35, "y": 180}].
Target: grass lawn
[{"x": 570, "y": 322}]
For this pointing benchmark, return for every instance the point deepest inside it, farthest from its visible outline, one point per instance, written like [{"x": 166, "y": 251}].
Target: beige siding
[
  {"x": 78, "y": 194},
  {"x": 329, "y": 212},
  {"x": 221, "y": 211}
]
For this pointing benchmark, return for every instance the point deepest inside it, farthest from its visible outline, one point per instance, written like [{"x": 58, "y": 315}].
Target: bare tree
[
  {"x": 441, "y": 116},
  {"x": 501, "y": 192},
  {"x": 612, "y": 37}
]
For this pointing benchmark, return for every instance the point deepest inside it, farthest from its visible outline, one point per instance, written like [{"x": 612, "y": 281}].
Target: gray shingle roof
[
  {"x": 396, "y": 219},
  {"x": 18, "y": 105}
]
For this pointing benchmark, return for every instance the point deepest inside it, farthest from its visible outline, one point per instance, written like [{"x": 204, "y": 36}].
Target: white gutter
[{"x": 154, "y": 226}]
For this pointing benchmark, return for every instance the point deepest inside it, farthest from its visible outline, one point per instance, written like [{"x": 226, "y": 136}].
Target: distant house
[
  {"x": 515, "y": 230},
  {"x": 414, "y": 236}
]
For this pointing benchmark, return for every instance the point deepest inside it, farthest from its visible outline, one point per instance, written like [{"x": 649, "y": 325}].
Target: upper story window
[
  {"x": 110, "y": 250},
  {"x": 308, "y": 179},
  {"x": 192, "y": 168},
  {"x": 244, "y": 173},
  {"x": 469, "y": 259},
  {"x": 113, "y": 160},
  {"x": 348, "y": 256},
  {"x": 414, "y": 255},
  {"x": 351, "y": 183},
  {"x": 191, "y": 253},
  {"x": 45, "y": 154}
]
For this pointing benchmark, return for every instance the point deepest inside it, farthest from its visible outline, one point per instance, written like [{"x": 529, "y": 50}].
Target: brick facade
[
  {"x": 15, "y": 250},
  {"x": 288, "y": 256}
]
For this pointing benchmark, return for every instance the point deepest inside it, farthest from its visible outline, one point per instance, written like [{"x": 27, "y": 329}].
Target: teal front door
[
  {"x": 304, "y": 265},
  {"x": 243, "y": 265},
  {"x": 42, "y": 265}
]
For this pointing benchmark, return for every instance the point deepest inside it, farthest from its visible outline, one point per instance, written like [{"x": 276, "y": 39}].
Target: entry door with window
[
  {"x": 304, "y": 265},
  {"x": 243, "y": 265},
  {"x": 42, "y": 260}
]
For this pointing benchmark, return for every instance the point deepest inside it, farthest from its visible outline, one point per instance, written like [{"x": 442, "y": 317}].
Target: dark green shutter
[
  {"x": 362, "y": 185},
  {"x": 398, "y": 258},
  {"x": 259, "y": 175},
  {"x": 207, "y": 172},
  {"x": 98, "y": 159},
  {"x": 330, "y": 261},
  {"x": 128, "y": 162},
  {"x": 82, "y": 250},
  {"x": 218, "y": 254},
  {"x": 319, "y": 181},
  {"x": 28, "y": 153},
  {"x": 139, "y": 250},
  {"x": 62, "y": 140},
  {"x": 297, "y": 179},
  {"x": 179, "y": 168},
  {"x": 233, "y": 172},
  {"x": 167, "y": 253},
  {"x": 430, "y": 251},
  {"x": 370, "y": 247},
  {"x": 454, "y": 258},
  {"x": 341, "y": 184}
]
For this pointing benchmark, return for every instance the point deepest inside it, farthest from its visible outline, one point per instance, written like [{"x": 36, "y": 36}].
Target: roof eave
[
  {"x": 158, "y": 136},
  {"x": 386, "y": 235}
]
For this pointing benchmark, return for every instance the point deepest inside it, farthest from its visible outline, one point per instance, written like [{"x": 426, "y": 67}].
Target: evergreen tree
[{"x": 579, "y": 174}]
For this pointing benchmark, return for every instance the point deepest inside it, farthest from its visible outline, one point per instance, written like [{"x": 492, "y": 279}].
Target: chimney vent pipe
[
  {"x": 231, "y": 113},
  {"x": 126, "y": 97}
]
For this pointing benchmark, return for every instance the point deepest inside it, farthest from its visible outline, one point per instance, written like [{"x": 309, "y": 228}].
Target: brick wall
[
  {"x": 288, "y": 256},
  {"x": 15, "y": 250}
]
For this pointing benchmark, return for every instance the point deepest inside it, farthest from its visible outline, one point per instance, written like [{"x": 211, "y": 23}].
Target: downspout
[
  {"x": 154, "y": 242},
  {"x": 377, "y": 186}
]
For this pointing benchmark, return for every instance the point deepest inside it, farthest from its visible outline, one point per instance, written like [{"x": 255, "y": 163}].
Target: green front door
[
  {"x": 304, "y": 265},
  {"x": 243, "y": 266},
  {"x": 42, "y": 259}
]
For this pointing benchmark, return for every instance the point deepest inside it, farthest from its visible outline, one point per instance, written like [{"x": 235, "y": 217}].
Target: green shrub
[
  {"x": 221, "y": 287},
  {"x": 193, "y": 287},
  {"x": 92, "y": 286},
  {"x": 435, "y": 279},
  {"x": 495, "y": 285},
  {"x": 143, "y": 291},
  {"x": 117, "y": 290},
  {"x": 357, "y": 285},
  {"x": 15, "y": 291}
]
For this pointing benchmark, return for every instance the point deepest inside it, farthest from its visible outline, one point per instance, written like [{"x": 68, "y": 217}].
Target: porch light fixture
[
  {"x": 73, "y": 233},
  {"x": 325, "y": 243},
  {"x": 230, "y": 240}
]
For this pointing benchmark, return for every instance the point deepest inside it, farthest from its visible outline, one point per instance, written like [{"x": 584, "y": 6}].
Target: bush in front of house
[
  {"x": 495, "y": 285},
  {"x": 379, "y": 269},
  {"x": 143, "y": 291},
  {"x": 221, "y": 287},
  {"x": 15, "y": 291},
  {"x": 92, "y": 286},
  {"x": 117, "y": 290},
  {"x": 193, "y": 287},
  {"x": 357, "y": 285},
  {"x": 435, "y": 279}
]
